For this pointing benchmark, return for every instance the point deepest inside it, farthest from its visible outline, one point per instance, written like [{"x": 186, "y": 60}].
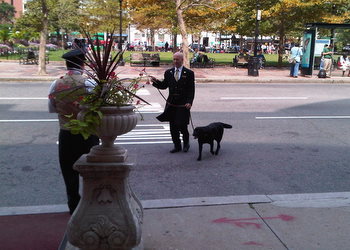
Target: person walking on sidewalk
[
  {"x": 328, "y": 59},
  {"x": 344, "y": 64},
  {"x": 180, "y": 81},
  {"x": 294, "y": 59},
  {"x": 71, "y": 146}
]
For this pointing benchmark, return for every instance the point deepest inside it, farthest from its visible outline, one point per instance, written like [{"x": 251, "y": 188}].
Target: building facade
[{"x": 18, "y": 4}]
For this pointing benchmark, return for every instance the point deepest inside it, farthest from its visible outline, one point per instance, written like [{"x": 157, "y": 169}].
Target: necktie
[{"x": 177, "y": 74}]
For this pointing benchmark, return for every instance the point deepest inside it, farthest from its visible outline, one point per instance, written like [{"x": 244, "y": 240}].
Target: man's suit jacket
[{"x": 180, "y": 93}]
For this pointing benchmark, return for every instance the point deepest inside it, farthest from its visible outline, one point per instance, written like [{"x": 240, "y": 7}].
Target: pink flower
[
  {"x": 136, "y": 86},
  {"x": 70, "y": 73},
  {"x": 138, "y": 102},
  {"x": 148, "y": 82}
]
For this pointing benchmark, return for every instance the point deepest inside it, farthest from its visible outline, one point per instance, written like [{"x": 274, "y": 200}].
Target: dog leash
[{"x": 176, "y": 106}]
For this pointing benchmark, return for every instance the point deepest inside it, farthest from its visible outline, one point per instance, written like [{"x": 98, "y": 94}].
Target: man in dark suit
[{"x": 180, "y": 81}]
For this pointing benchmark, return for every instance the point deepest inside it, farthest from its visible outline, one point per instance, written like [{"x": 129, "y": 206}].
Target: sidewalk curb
[
  {"x": 271, "y": 80},
  {"x": 207, "y": 80},
  {"x": 338, "y": 199},
  {"x": 25, "y": 79}
]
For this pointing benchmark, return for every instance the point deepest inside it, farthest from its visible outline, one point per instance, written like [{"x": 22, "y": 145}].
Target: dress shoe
[
  {"x": 186, "y": 148},
  {"x": 175, "y": 150}
]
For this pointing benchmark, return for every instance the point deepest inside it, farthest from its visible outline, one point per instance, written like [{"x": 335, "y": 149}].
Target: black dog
[{"x": 214, "y": 131}]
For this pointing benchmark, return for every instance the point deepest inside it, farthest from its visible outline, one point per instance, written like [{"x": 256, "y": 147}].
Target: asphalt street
[{"x": 286, "y": 138}]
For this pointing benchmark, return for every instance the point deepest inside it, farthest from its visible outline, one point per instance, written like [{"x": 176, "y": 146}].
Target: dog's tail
[{"x": 226, "y": 125}]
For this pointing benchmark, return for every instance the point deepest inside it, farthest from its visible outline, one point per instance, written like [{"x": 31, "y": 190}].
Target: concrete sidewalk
[
  {"x": 11, "y": 70},
  {"x": 296, "y": 221}
]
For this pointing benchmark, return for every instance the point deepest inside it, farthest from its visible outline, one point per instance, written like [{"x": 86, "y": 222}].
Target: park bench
[
  {"x": 240, "y": 60},
  {"x": 144, "y": 59},
  {"x": 202, "y": 61},
  {"x": 30, "y": 57}
]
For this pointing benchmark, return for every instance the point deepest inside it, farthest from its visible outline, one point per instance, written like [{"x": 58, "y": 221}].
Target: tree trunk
[
  {"x": 152, "y": 38},
  {"x": 63, "y": 40},
  {"x": 183, "y": 31},
  {"x": 43, "y": 35},
  {"x": 199, "y": 41},
  {"x": 281, "y": 45},
  {"x": 174, "y": 42},
  {"x": 241, "y": 42}
]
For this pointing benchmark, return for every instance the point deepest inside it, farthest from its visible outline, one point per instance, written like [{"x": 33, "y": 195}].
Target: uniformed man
[{"x": 71, "y": 147}]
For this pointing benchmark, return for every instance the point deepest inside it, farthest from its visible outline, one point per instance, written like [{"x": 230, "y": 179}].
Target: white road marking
[
  {"x": 31, "y": 120},
  {"x": 143, "y": 92},
  {"x": 23, "y": 98},
  {"x": 264, "y": 98},
  {"x": 151, "y": 109},
  {"x": 160, "y": 134},
  {"x": 301, "y": 117},
  {"x": 140, "y": 92},
  {"x": 146, "y": 142},
  {"x": 154, "y": 108},
  {"x": 145, "y": 134}
]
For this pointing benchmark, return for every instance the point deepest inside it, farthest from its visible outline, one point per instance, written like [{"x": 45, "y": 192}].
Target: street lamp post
[
  {"x": 120, "y": 47},
  {"x": 120, "y": 24},
  {"x": 253, "y": 65}
]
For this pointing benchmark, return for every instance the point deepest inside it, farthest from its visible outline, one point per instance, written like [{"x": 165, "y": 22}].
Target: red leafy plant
[{"x": 109, "y": 90}]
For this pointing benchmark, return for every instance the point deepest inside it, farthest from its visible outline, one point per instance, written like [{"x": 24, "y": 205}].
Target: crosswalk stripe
[
  {"x": 302, "y": 117},
  {"x": 156, "y": 135},
  {"x": 145, "y": 134}
]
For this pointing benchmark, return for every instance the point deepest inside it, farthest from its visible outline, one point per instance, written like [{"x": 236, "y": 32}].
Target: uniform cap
[{"x": 74, "y": 56}]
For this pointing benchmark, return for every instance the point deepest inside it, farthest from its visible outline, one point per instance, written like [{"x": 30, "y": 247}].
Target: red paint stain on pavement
[
  {"x": 243, "y": 222},
  {"x": 252, "y": 243}
]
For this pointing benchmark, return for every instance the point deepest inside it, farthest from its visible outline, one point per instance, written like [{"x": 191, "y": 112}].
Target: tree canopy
[{"x": 7, "y": 13}]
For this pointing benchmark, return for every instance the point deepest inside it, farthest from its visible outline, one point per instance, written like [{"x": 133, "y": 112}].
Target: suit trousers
[
  {"x": 71, "y": 148},
  {"x": 175, "y": 130}
]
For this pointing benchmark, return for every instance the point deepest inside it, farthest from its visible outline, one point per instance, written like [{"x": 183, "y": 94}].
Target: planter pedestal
[{"x": 109, "y": 215}]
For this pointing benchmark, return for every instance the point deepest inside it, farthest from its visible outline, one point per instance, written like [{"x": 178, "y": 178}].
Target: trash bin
[{"x": 253, "y": 66}]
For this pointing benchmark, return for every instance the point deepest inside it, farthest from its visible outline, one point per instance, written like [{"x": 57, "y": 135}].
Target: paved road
[{"x": 286, "y": 138}]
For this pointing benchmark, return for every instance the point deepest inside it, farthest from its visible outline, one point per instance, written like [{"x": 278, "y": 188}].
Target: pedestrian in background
[
  {"x": 180, "y": 81},
  {"x": 294, "y": 60},
  {"x": 262, "y": 59},
  {"x": 328, "y": 59},
  {"x": 71, "y": 146},
  {"x": 344, "y": 64}
]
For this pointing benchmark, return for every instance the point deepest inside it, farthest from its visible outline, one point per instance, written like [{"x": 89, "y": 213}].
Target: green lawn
[{"x": 166, "y": 57}]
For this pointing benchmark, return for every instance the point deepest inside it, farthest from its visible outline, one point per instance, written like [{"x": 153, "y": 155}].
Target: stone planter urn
[{"x": 109, "y": 215}]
